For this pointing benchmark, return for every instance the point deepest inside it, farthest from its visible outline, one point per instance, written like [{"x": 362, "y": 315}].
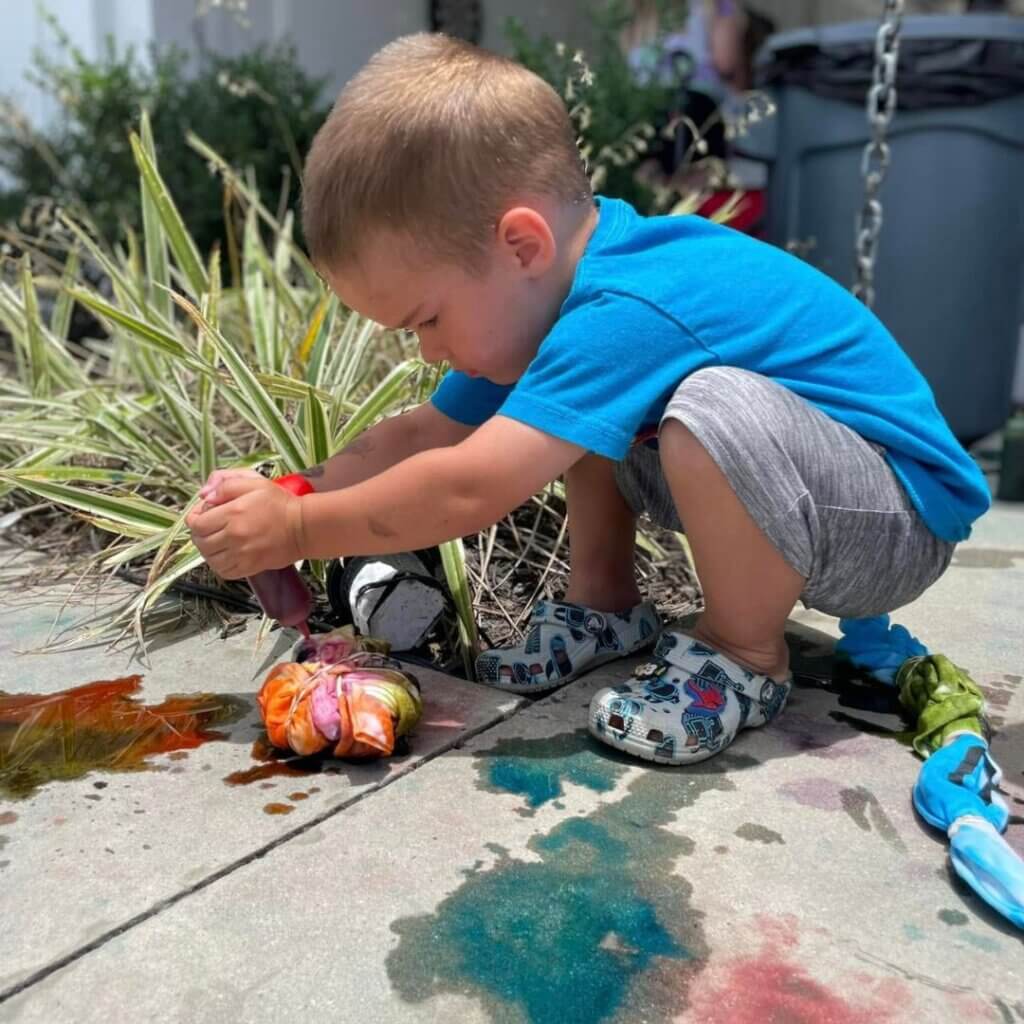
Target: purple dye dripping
[{"x": 283, "y": 596}]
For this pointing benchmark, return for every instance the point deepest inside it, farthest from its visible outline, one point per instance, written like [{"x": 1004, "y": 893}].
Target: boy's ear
[{"x": 525, "y": 238}]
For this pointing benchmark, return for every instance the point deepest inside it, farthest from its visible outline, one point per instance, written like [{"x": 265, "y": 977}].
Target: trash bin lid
[{"x": 944, "y": 60}]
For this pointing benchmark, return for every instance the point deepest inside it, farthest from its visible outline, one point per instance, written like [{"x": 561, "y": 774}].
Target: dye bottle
[{"x": 282, "y": 594}]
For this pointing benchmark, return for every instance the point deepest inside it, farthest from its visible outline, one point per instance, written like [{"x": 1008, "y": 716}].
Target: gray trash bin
[{"x": 950, "y": 271}]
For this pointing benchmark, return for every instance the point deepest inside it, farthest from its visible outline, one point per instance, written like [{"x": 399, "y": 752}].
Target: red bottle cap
[{"x": 296, "y": 483}]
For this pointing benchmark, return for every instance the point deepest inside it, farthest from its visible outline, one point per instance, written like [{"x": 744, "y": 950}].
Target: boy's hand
[
  {"x": 218, "y": 476},
  {"x": 247, "y": 524}
]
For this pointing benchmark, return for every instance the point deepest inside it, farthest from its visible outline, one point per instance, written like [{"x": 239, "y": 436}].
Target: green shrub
[{"x": 258, "y": 110}]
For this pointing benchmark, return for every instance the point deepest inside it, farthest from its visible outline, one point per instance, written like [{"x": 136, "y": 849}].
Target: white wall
[
  {"x": 565, "y": 20},
  {"x": 87, "y": 22},
  {"x": 333, "y": 38}
]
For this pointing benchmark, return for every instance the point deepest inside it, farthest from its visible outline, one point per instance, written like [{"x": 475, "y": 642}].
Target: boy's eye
[{"x": 432, "y": 322}]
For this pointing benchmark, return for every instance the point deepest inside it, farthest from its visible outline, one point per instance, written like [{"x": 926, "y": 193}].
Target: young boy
[{"x": 663, "y": 364}]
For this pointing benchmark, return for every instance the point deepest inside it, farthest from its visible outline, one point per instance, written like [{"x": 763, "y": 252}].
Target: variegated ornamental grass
[{"x": 196, "y": 373}]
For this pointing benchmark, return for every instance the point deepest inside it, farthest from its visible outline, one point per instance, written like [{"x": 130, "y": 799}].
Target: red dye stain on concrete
[
  {"x": 8, "y": 818},
  {"x": 100, "y": 726},
  {"x": 779, "y": 932},
  {"x": 770, "y": 990},
  {"x": 776, "y": 986}
]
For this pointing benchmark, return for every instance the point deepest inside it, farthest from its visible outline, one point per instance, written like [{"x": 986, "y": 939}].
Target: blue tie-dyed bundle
[
  {"x": 956, "y": 790},
  {"x": 877, "y": 647}
]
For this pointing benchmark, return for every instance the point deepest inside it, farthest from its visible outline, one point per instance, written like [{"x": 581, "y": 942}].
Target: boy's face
[{"x": 487, "y": 325}]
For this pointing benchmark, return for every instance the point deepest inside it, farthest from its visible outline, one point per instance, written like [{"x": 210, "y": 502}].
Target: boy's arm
[
  {"x": 437, "y": 495},
  {"x": 384, "y": 445},
  {"x": 430, "y": 497}
]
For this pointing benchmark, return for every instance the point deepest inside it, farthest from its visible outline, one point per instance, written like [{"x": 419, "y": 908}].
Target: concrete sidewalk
[{"x": 510, "y": 868}]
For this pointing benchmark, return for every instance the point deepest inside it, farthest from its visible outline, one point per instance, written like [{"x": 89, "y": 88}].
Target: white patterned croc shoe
[
  {"x": 562, "y": 642},
  {"x": 685, "y": 705}
]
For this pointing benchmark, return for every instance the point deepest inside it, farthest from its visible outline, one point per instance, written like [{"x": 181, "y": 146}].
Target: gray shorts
[{"x": 824, "y": 496}]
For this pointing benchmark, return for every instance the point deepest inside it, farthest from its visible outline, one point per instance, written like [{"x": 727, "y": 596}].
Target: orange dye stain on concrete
[{"x": 100, "y": 726}]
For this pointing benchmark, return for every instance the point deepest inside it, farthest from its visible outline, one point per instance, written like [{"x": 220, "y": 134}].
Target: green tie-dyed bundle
[{"x": 941, "y": 699}]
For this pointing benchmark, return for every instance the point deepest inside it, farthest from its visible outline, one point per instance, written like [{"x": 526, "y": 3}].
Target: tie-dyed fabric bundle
[
  {"x": 343, "y": 693},
  {"x": 957, "y": 787}
]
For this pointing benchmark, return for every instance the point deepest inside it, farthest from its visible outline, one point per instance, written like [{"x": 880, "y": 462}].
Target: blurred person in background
[{"x": 711, "y": 51}]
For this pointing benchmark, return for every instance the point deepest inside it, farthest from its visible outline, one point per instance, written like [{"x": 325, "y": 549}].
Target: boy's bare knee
[{"x": 679, "y": 448}]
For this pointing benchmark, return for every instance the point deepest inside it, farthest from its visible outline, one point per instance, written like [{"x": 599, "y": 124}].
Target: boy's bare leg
[
  {"x": 749, "y": 588},
  {"x": 602, "y": 529}
]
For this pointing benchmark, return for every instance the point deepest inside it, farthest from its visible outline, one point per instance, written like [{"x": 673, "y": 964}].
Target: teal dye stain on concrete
[
  {"x": 537, "y": 769},
  {"x": 558, "y": 942},
  {"x": 912, "y": 932},
  {"x": 982, "y": 942},
  {"x": 600, "y": 920},
  {"x": 955, "y": 918}
]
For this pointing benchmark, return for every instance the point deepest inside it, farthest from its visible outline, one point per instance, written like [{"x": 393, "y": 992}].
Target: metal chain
[{"x": 881, "y": 105}]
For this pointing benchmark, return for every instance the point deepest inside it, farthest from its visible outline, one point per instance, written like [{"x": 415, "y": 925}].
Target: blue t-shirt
[{"x": 656, "y": 298}]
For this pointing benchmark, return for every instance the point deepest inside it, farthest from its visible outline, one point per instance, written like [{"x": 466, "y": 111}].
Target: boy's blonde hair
[{"x": 433, "y": 138}]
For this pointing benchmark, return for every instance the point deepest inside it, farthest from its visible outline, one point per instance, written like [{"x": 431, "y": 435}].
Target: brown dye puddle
[
  {"x": 278, "y": 808},
  {"x": 274, "y": 762},
  {"x": 46, "y": 737}
]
